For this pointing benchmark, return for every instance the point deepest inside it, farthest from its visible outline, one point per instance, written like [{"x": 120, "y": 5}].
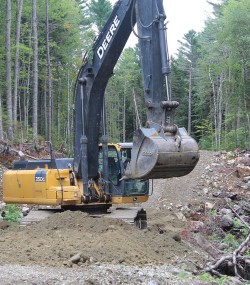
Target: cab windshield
[
  {"x": 136, "y": 187},
  {"x": 113, "y": 164}
]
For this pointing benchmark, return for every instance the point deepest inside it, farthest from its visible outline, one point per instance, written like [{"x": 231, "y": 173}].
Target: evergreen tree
[
  {"x": 210, "y": 73},
  {"x": 123, "y": 95},
  {"x": 99, "y": 11},
  {"x": 187, "y": 60}
]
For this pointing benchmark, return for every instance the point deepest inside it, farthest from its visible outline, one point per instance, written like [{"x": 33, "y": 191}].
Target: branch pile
[
  {"x": 31, "y": 151},
  {"x": 236, "y": 264},
  {"x": 236, "y": 171}
]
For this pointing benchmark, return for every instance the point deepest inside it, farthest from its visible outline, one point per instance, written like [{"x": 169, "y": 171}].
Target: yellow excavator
[{"x": 100, "y": 175}]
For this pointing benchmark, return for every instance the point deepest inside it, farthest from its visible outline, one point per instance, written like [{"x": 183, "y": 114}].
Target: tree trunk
[
  {"x": 26, "y": 99},
  {"x": 238, "y": 124},
  {"x": 45, "y": 110},
  {"x": 190, "y": 100},
  {"x": 16, "y": 69},
  {"x": 70, "y": 121},
  {"x": 227, "y": 105},
  {"x": 35, "y": 69},
  {"x": 1, "y": 119},
  {"x": 227, "y": 108},
  {"x": 137, "y": 117},
  {"x": 211, "y": 130},
  {"x": 68, "y": 111},
  {"x": 124, "y": 119},
  {"x": 49, "y": 74},
  {"x": 215, "y": 107},
  {"x": 8, "y": 69},
  {"x": 220, "y": 92},
  {"x": 59, "y": 97},
  {"x": 246, "y": 108}
]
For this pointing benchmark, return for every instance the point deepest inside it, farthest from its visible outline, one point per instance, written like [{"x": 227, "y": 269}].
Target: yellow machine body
[
  {"x": 40, "y": 186},
  {"x": 53, "y": 182}
]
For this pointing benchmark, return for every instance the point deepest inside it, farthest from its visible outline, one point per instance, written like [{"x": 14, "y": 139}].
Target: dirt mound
[{"x": 55, "y": 240}]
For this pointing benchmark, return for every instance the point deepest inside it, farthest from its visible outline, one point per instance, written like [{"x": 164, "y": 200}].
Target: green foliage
[
  {"x": 236, "y": 224},
  {"x": 237, "y": 138},
  {"x": 247, "y": 253},
  {"x": 119, "y": 96},
  {"x": 215, "y": 280},
  {"x": 212, "y": 213},
  {"x": 214, "y": 237},
  {"x": 65, "y": 41},
  {"x": 220, "y": 115},
  {"x": 179, "y": 81},
  {"x": 183, "y": 275},
  {"x": 99, "y": 11},
  {"x": 230, "y": 154},
  {"x": 184, "y": 68},
  {"x": 205, "y": 277},
  {"x": 218, "y": 58},
  {"x": 12, "y": 213},
  {"x": 188, "y": 50},
  {"x": 206, "y": 134},
  {"x": 231, "y": 241},
  {"x": 244, "y": 231}
]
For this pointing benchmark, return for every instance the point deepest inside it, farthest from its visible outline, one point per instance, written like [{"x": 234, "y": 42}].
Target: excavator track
[
  {"x": 35, "y": 216},
  {"x": 133, "y": 215}
]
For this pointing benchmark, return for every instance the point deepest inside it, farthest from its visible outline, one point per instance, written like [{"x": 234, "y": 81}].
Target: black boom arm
[
  {"x": 151, "y": 145},
  {"x": 92, "y": 81}
]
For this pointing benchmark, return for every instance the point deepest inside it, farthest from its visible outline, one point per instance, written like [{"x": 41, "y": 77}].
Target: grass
[{"x": 12, "y": 213}]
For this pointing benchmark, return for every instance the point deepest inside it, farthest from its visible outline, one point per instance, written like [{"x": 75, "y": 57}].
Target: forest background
[{"x": 42, "y": 44}]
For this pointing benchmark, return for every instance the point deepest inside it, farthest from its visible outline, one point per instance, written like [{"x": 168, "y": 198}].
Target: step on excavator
[{"x": 102, "y": 175}]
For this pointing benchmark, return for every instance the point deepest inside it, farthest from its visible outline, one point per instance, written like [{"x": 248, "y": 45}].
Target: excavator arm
[
  {"x": 91, "y": 83},
  {"x": 160, "y": 150}
]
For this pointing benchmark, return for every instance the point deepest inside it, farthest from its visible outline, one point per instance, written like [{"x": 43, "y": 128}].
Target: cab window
[
  {"x": 113, "y": 163},
  {"x": 126, "y": 156}
]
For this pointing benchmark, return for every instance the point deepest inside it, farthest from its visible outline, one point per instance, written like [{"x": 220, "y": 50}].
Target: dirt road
[{"x": 73, "y": 248}]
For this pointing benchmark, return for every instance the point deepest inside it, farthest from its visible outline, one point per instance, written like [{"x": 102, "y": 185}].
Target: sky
[{"x": 182, "y": 16}]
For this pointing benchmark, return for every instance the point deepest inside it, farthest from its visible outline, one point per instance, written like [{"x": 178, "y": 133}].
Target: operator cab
[{"x": 119, "y": 156}]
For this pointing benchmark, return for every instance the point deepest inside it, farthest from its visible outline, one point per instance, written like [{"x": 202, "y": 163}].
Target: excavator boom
[{"x": 160, "y": 150}]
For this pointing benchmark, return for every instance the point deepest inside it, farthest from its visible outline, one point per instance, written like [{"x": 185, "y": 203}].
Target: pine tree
[{"x": 99, "y": 11}]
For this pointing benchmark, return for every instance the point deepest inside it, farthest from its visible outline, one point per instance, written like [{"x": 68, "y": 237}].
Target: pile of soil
[{"x": 53, "y": 241}]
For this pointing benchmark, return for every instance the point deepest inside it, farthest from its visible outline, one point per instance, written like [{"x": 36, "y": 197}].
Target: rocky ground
[{"x": 183, "y": 214}]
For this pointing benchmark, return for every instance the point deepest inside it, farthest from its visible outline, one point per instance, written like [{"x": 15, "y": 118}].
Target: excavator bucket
[{"x": 163, "y": 155}]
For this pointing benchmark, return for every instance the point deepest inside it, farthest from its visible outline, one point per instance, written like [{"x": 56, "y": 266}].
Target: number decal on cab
[{"x": 40, "y": 176}]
